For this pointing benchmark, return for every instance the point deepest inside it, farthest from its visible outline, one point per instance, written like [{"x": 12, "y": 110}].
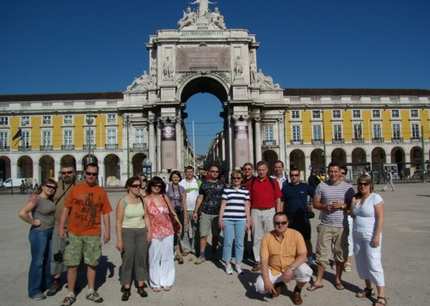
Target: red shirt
[{"x": 263, "y": 192}]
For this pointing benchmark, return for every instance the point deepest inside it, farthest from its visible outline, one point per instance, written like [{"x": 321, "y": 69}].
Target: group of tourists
[{"x": 158, "y": 222}]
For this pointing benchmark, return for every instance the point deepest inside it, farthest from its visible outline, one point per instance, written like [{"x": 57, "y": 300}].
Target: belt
[{"x": 264, "y": 208}]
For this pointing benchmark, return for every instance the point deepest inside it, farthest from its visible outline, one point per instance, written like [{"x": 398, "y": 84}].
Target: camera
[{"x": 58, "y": 257}]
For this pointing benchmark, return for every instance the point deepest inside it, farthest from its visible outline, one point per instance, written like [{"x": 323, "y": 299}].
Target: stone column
[
  {"x": 168, "y": 144},
  {"x": 251, "y": 142},
  {"x": 258, "y": 155},
  {"x": 102, "y": 174},
  {"x": 158, "y": 161},
  {"x": 36, "y": 172},
  {"x": 281, "y": 131},
  {"x": 152, "y": 143},
  {"x": 223, "y": 153},
  {"x": 179, "y": 144},
  {"x": 241, "y": 143},
  {"x": 307, "y": 167},
  {"x": 57, "y": 168},
  {"x": 14, "y": 167},
  {"x": 230, "y": 143}
]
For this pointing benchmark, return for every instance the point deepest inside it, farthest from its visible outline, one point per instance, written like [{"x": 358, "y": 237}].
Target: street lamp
[
  {"x": 147, "y": 168},
  {"x": 89, "y": 121}
]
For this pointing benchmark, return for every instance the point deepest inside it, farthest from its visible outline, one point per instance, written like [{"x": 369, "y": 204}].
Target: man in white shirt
[
  {"x": 191, "y": 186},
  {"x": 279, "y": 173}
]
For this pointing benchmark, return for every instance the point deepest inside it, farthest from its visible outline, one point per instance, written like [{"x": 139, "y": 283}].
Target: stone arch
[
  {"x": 270, "y": 156},
  {"x": 339, "y": 156},
  {"x": 416, "y": 157},
  {"x": 5, "y": 170},
  {"x": 359, "y": 162},
  {"x": 297, "y": 159},
  {"x": 137, "y": 162},
  {"x": 112, "y": 170},
  {"x": 46, "y": 168},
  {"x": 68, "y": 161},
  {"x": 203, "y": 84},
  {"x": 25, "y": 167},
  {"x": 378, "y": 159},
  {"x": 398, "y": 157},
  {"x": 317, "y": 160}
]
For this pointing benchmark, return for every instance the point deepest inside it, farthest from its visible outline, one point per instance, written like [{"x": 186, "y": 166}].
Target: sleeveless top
[
  {"x": 133, "y": 215},
  {"x": 161, "y": 225},
  {"x": 45, "y": 212}
]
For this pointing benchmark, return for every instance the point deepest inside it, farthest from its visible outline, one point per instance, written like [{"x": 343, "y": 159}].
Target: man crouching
[{"x": 283, "y": 255}]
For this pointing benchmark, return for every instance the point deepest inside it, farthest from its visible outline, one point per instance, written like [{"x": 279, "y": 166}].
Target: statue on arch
[
  {"x": 203, "y": 6},
  {"x": 238, "y": 68},
  {"x": 167, "y": 69}
]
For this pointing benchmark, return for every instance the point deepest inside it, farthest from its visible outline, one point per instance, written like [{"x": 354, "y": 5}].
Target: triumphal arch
[{"x": 203, "y": 55}]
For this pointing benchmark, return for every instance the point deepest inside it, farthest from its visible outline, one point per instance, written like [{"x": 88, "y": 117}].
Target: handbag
[{"x": 177, "y": 227}]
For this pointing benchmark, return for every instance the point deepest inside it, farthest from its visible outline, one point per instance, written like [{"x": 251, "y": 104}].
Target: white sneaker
[
  {"x": 238, "y": 269},
  {"x": 228, "y": 269}
]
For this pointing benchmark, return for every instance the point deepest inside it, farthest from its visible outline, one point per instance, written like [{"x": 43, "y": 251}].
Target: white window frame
[
  {"x": 379, "y": 114},
  {"x": 111, "y": 122},
  {"x": 139, "y": 135},
  {"x": 298, "y": 112},
  {"x": 110, "y": 137},
  {"x": 393, "y": 134},
  {"x": 66, "y": 143},
  {"x": 4, "y": 121},
  {"x": 334, "y": 117},
  {"x": 334, "y": 131},
  {"x": 4, "y": 141},
  {"x": 27, "y": 143},
  {"x": 417, "y": 115},
  {"x": 25, "y": 120},
  {"x": 418, "y": 130},
  {"x": 379, "y": 130},
  {"x": 268, "y": 132},
  {"x": 92, "y": 135},
  {"x": 296, "y": 132},
  {"x": 71, "y": 120},
  {"x": 49, "y": 122},
  {"x": 392, "y": 114},
  {"x": 42, "y": 137},
  {"x": 320, "y": 131},
  {"x": 318, "y": 111},
  {"x": 354, "y": 130},
  {"x": 359, "y": 114}
]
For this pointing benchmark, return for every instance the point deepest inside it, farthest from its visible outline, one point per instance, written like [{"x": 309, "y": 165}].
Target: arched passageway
[
  {"x": 46, "y": 168},
  {"x": 4, "y": 167},
  {"x": 112, "y": 170},
  {"x": 25, "y": 167}
]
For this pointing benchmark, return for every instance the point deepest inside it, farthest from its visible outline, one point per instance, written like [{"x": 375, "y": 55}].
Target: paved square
[{"x": 406, "y": 248}]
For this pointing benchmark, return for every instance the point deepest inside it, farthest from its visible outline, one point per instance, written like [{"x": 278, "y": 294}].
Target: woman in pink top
[{"x": 160, "y": 235}]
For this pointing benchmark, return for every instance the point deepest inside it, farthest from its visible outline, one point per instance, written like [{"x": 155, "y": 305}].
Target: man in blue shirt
[{"x": 295, "y": 196}]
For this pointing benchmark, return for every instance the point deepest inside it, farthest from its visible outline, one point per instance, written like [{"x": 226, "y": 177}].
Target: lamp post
[
  {"x": 423, "y": 164},
  {"x": 127, "y": 122},
  {"x": 147, "y": 168},
  {"x": 324, "y": 145},
  {"x": 89, "y": 120}
]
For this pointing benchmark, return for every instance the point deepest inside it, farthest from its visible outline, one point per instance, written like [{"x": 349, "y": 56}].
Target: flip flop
[
  {"x": 339, "y": 286},
  {"x": 313, "y": 287}
]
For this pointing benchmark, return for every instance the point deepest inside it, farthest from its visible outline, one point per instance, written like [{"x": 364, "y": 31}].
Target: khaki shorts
[
  {"x": 208, "y": 225},
  {"x": 87, "y": 246},
  {"x": 334, "y": 239}
]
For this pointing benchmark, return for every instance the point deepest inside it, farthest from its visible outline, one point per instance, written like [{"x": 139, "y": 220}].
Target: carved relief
[
  {"x": 167, "y": 69},
  {"x": 238, "y": 68},
  {"x": 142, "y": 83},
  {"x": 265, "y": 81}
]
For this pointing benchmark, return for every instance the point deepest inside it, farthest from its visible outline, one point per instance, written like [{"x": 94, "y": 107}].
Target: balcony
[
  {"x": 338, "y": 141},
  {"x": 297, "y": 141},
  {"x": 111, "y": 146},
  {"x": 357, "y": 140},
  {"x": 415, "y": 139},
  {"x": 4, "y": 148},
  {"x": 377, "y": 140},
  {"x": 317, "y": 141},
  {"x": 24, "y": 148},
  {"x": 87, "y": 147},
  {"x": 397, "y": 140},
  {"x": 68, "y": 147},
  {"x": 46, "y": 148},
  {"x": 269, "y": 143},
  {"x": 140, "y": 147}
]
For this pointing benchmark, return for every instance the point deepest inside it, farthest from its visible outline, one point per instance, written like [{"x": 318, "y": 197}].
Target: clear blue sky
[{"x": 55, "y": 46}]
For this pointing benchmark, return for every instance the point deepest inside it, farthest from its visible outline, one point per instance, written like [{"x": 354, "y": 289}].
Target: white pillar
[
  {"x": 230, "y": 143},
  {"x": 151, "y": 143},
  {"x": 36, "y": 170},
  {"x": 57, "y": 168},
  {"x": 250, "y": 141},
  {"x": 179, "y": 144},
  {"x": 13, "y": 168},
  {"x": 258, "y": 155},
  {"x": 307, "y": 167},
  {"x": 281, "y": 131},
  {"x": 158, "y": 170}
]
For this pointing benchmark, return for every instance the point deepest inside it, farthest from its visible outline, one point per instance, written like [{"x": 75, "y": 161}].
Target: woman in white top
[
  {"x": 131, "y": 238},
  {"x": 368, "y": 214}
]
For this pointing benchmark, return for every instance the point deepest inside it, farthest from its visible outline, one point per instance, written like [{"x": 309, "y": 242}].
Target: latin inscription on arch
[{"x": 203, "y": 58}]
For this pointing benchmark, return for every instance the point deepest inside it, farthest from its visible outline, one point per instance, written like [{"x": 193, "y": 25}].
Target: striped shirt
[
  {"x": 341, "y": 192},
  {"x": 235, "y": 203}
]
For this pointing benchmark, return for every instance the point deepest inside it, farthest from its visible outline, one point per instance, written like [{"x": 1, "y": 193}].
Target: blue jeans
[
  {"x": 39, "y": 276},
  {"x": 233, "y": 230}
]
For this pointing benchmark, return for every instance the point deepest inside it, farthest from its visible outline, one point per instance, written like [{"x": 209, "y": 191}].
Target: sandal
[
  {"x": 380, "y": 301},
  {"x": 339, "y": 286},
  {"x": 364, "y": 293},
  {"x": 167, "y": 288},
  {"x": 126, "y": 292},
  {"x": 314, "y": 287},
  {"x": 141, "y": 291}
]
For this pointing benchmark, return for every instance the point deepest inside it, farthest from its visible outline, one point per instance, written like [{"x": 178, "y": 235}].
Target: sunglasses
[
  {"x": 66, "y": 172},
  {"x": 281, "y": 223},
  {"x": 247, "y": 169},
  {"x": 91, "y": 173},
  {"x": 136, "y": 186},
  {"x": 363, "y": 184},
  {"x": 214, "y": 171},
  {"x": 156, "y": 186},
  {"x": 294, "y": 175},
  {"x": 51, "y": 186}
]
